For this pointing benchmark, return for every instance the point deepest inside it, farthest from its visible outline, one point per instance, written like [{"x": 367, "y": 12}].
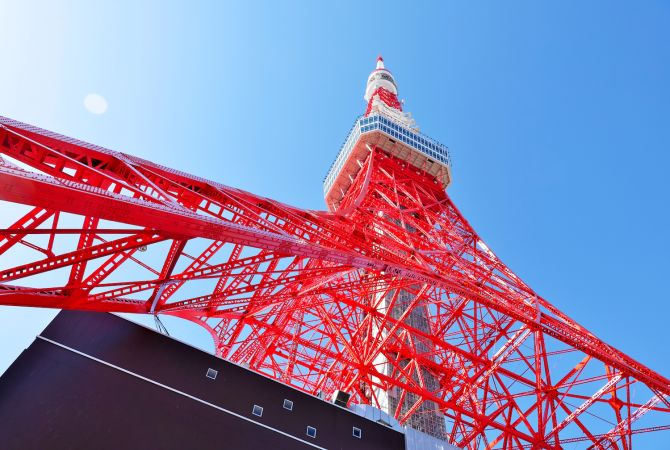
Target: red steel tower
[{"x": 389, "y": 296}]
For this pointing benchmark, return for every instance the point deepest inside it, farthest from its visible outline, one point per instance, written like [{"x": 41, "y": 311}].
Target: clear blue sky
[{"x": 557, "y": 115}]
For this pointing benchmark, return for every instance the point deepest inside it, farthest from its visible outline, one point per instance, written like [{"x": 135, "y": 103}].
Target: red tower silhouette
[{"x": 389, "y": 296}]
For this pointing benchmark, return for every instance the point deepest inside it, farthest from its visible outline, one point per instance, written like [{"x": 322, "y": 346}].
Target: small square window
[
  {"x": 211, "y": 373},
  {"x": 357, "y": 433},
  {"x": 288, "y": 404},
  {"x": 257, "y": 411},
  {"x": 311, "y": 432}
]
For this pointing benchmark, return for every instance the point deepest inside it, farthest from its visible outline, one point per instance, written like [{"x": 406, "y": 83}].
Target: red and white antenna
[{"x": 381, "y": 89}]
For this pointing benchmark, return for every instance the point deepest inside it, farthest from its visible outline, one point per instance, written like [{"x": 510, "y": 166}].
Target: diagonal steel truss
[{"x": 309, "y": 297}]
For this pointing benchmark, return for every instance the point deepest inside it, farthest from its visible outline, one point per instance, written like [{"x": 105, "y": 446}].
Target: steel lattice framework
[{"x": 296, "y": 294}]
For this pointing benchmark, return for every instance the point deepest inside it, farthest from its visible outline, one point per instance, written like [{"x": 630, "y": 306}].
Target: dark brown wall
[{"x": 52, "y": 397}]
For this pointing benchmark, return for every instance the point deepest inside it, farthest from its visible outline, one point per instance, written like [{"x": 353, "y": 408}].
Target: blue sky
[{"x": 556, "y": 113}]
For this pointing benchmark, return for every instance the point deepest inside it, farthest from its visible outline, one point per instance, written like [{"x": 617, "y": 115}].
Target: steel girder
[{"x": 312, "y": 298}]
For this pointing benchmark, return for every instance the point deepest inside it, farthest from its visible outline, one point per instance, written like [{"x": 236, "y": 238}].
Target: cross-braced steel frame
[{"x": 308, "y": 297}]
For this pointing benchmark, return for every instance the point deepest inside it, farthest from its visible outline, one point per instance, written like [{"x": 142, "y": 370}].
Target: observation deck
[{"x": 393, "y": 137}]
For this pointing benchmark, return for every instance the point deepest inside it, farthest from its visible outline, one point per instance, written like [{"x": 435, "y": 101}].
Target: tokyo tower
[{"x": 389, "y": 297}]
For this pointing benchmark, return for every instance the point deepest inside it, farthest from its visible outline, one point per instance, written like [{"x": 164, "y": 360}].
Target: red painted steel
[
  {"x": 389, "y": 98},
  {"x": 296, "y": 294}
]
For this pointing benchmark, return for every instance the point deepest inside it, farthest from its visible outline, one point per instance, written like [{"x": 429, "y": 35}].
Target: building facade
[{"x": 95, "y": 380}]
